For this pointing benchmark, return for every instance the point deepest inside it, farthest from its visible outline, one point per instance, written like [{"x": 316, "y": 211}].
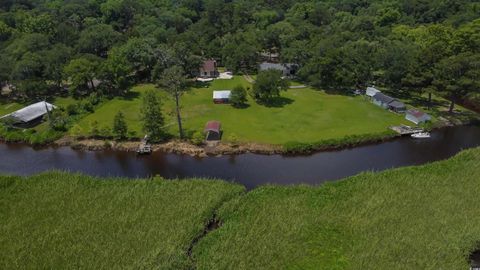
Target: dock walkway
[{"x": 406, "y": 130}]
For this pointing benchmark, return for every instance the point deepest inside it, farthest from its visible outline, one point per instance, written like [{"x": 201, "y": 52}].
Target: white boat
[{"x": 421, "y": 135}]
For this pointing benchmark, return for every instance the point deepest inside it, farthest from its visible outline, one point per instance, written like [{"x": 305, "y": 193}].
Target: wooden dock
[
  {"x": 144, "y": 148},
  {"x": 406, "y": 130}
]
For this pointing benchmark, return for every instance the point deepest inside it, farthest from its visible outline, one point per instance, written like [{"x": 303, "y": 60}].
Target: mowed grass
[
  {"x": 64, "y": 221},
  {"x": 303, "y": 115},
  {"x": 423, "y": 217}
]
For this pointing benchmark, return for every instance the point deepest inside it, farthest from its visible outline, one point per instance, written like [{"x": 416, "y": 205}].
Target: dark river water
[{"x": 250, "y": 170}]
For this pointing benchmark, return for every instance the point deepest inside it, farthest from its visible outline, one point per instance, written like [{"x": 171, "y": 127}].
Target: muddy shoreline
[
  {"x": 174, "y": 146},
  {"x": 222, "y": 148}
]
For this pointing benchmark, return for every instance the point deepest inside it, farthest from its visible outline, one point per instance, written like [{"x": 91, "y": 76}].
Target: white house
[{"x": 371, "y": 92}]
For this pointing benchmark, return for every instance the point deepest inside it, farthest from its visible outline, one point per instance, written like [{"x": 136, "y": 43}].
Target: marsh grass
[
  {"x": 64, "y": 221},
  {"x": 424, "y": 217}
]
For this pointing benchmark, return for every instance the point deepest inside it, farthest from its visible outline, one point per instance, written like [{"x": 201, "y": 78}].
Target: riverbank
[
  {"x": 227, "y": 148},
  {"x": 62, "y": 220}
]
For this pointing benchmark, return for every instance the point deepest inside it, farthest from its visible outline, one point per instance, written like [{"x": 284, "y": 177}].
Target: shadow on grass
[
  {"x": 277, "y": 102},
  {"x": 131, "y": 95},
  {"x": 241, "y": 106}
]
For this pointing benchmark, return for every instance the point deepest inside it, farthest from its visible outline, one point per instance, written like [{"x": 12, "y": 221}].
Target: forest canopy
[{"x": 48, "y": 46}]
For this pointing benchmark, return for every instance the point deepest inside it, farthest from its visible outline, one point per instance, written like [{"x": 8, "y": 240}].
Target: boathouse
[
  {"x": 417, "y": 116},
  {"x": 222, "y": 96},
  {"x": 31, "y": 115},
  {"x": 213, "y": 131}
]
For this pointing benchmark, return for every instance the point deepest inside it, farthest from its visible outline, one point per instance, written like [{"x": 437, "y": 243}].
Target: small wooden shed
[{"x": 213, "y": 131}]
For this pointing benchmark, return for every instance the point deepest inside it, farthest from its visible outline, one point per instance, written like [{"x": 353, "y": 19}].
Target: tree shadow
[
  {"x": 277, "y": 102},
  {"x": 130, "y": 95},
  {"x": 241, "y": 106}
]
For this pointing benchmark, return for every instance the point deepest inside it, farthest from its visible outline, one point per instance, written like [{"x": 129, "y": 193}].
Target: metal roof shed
[
  {"x": 30, "y": 113},
  {"x": 417, "y": 116},
  {"x": 222, "y": 96},
  {"x": 382, "y": 100},
  {"x": 397, "y": 106}
]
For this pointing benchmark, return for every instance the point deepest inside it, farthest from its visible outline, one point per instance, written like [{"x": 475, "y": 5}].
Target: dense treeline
[{"x": 106, "y": 45}]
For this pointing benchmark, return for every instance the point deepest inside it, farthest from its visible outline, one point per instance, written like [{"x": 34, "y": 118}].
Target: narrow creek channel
[{"x": 250, "y": 170}]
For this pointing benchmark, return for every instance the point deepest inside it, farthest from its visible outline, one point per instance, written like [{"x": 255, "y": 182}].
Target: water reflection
[{"x": 249, "y": 169}]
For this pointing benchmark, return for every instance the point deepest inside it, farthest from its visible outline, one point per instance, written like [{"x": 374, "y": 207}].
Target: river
[{"x": 250, "y": 170}]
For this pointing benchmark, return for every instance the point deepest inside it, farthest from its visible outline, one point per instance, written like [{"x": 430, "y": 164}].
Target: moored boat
[{"x": 421, "y": 135}]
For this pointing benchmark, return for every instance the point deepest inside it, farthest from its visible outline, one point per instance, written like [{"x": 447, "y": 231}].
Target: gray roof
[
  {"x": 372, "y": 91},
  {"x": 396, "y": 104},
  {"x": 31, "y": 112},
  {"x": 383, "y": 98},
  {"x": 222, "y": 94},
  {"x": 282, "y": 67}
]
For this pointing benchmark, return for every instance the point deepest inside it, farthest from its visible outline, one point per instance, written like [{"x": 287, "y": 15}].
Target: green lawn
[
  {"x": 6, "y": 108},
  {"x": 303, "y": 115},
  {"x": 130, "y": 106},
  {"x": 411, "y": 218},
  {"x": 65, "y": 221}
]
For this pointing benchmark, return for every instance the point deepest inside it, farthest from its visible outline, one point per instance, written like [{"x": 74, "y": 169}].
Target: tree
[
  {"x": 97, "y": 39},
  {"x": 238, "y": 97},
  {"x": 120, "y": 128},
  {"x": 81, "y": 72},
  {"x": 457, "y": 77},
  {"x": 152, "y": 117},
  {"x": 173, "y": 81},
  {"x": 268, "y": 85}
]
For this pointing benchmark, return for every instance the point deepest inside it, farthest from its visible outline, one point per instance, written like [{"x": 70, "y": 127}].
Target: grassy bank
[
  {"x": 58, "y": 221},
  {"x": 412, "y": 218},
  {"x": 301, "y": 115}
]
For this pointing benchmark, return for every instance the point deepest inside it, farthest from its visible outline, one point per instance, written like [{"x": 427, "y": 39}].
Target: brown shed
[{"x": 213, "y": 131}]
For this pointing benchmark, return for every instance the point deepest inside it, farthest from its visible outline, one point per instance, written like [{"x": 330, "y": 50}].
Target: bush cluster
[{"x": 294, "y": 147}]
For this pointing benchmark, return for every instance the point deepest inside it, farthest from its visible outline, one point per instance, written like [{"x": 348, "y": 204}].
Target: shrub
[
  {"x": 94, "y": 129},
  {"x": 72, "y": 109},
  {"x": 105, "y": 132},
  {"x": 347, "y": 141},
  {"x": 197, "y": 138},
  {"x": 76, "y": 131},
  {"x": 120, "y": 128},
  {"x": 233, "y": 138},
  {"x": 238, "y": 97}
]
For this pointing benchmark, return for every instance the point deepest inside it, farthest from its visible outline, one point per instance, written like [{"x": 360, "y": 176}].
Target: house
[
  {"x": 371, "y": 92},
  {"x": 213, "y": 131},
  {"x": 221, "y": 97},
  {"x": 382, "y": 100},
  {"x": 208, "y": 69},
  {"x": 287, "y": 70},
  {"x": 30, "y": 115},
  {"x": 417, "y": 116},
  {"x": 270, "y": 56},
  {"x": 397, "y": 106}
]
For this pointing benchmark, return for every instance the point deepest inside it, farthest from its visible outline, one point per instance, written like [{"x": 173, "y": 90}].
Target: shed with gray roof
[
  {"x": 382, "y": 100},
  {"x": 30, "y": 115},
  {"x": 286, "y": 69}
]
